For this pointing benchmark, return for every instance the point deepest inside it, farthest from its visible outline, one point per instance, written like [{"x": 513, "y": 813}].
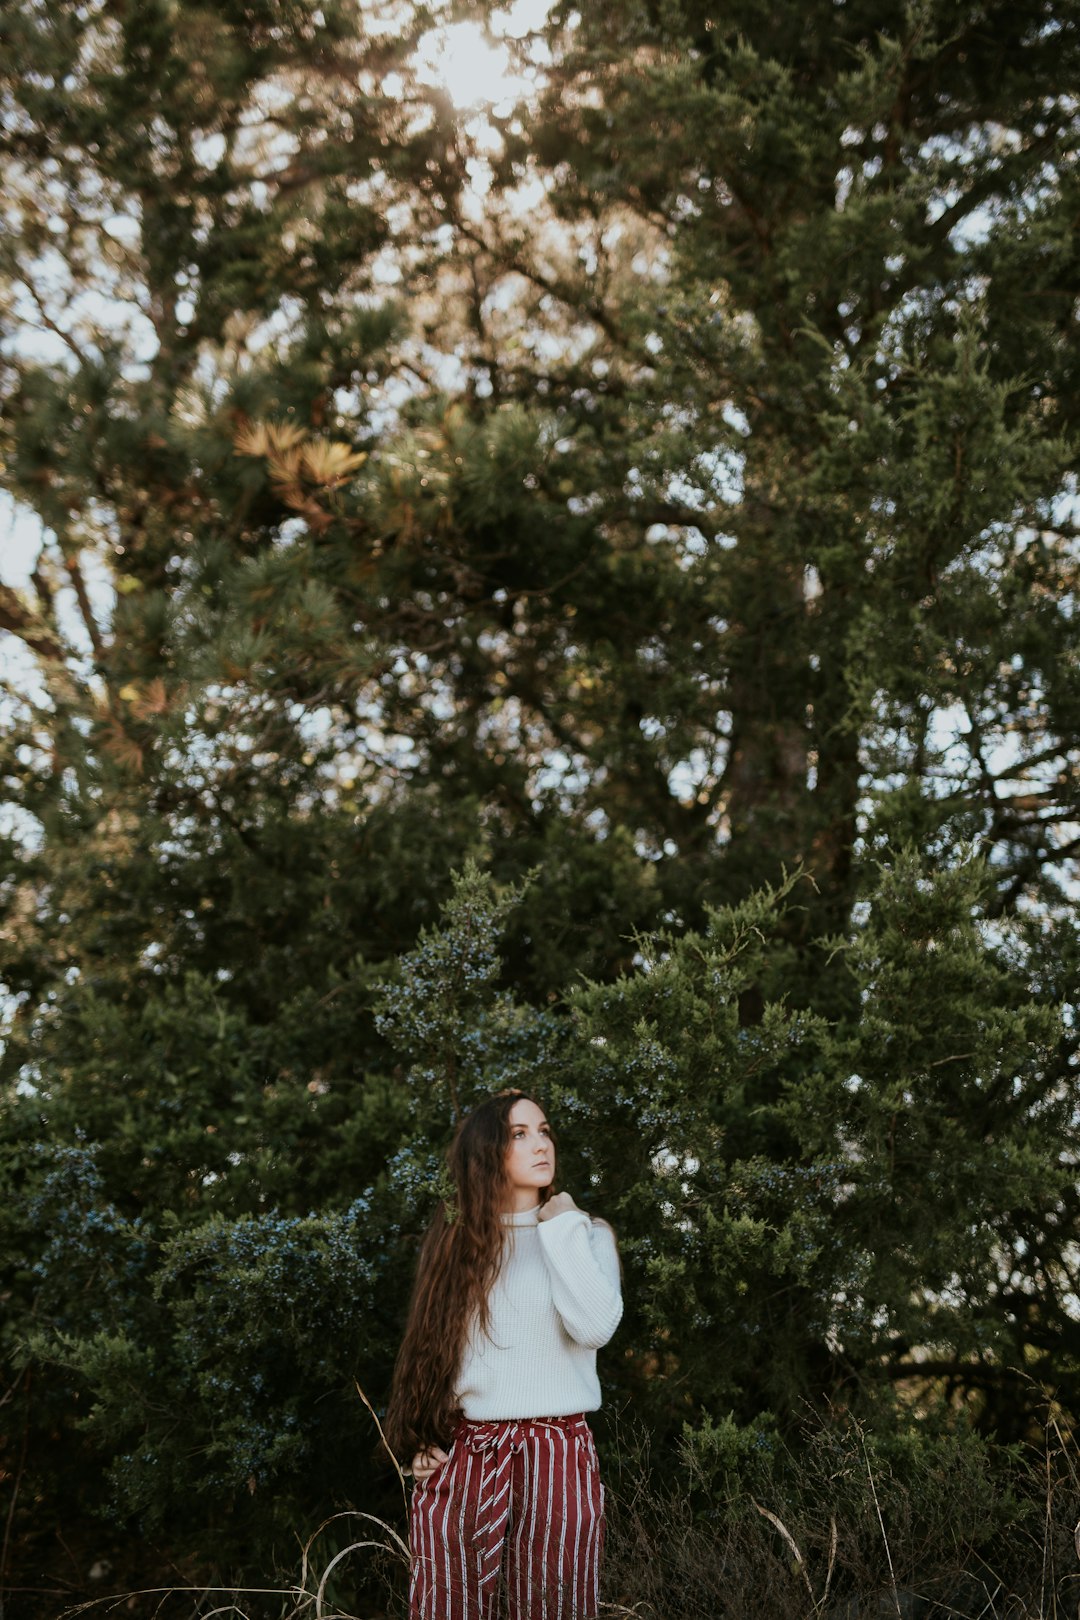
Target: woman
[{"x": 516, "y": 1289}]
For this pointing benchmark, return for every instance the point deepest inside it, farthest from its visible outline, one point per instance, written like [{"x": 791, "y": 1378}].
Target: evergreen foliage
[{"x": 580, "y": 598}]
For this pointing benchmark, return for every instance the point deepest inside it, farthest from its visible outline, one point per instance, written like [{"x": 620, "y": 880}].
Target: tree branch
[
  {"x": 19, "y": 621},
  {"x": 74, "y": 571},
  {"x": 51, "y": 325}
]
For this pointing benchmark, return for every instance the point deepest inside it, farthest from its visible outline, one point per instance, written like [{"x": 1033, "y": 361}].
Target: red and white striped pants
[{"x": 523, "y": 1493}]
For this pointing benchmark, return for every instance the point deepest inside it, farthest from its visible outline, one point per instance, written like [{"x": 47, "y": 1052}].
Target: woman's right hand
[{"x": 426, "y": 1462}]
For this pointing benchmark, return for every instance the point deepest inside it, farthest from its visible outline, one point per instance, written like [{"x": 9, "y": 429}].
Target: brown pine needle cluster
[{"x": 296, "y": 458}]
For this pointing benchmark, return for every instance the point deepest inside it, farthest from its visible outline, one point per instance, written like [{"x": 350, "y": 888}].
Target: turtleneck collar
[{"x": 522, "y": 1217}]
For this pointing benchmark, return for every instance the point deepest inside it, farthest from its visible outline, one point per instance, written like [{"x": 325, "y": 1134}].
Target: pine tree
[{"x": 687, "y": 509}]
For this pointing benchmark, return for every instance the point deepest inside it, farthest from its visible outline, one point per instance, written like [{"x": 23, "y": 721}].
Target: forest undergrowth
[{"x": 845, "y": 1540}]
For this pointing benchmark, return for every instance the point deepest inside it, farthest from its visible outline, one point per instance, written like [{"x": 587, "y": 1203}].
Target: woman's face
[{"x": 530, "y": 1156}]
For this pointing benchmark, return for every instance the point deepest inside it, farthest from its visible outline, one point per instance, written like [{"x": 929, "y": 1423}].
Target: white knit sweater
[{"x": 555, "y": 1300}]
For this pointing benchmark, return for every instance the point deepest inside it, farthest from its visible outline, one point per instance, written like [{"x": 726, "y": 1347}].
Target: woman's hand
[
  {"x": 559, "y": 1205},
  {"x": 426, "y": 1462}
]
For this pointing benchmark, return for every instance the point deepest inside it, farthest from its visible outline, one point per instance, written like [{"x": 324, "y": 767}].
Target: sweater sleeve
[{"x": 583, "y": 1264}]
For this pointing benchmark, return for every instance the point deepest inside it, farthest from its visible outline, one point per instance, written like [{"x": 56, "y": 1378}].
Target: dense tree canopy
[{"x": 576, "y": 592}]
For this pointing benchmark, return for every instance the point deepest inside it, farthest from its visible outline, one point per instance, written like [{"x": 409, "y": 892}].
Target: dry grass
[
  {"x": 855, "y": 1544},
  {"x": 850, "y": 1543}
]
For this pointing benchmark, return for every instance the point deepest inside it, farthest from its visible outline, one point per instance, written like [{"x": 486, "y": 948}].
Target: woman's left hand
[{"x": 561, "y": 1204}]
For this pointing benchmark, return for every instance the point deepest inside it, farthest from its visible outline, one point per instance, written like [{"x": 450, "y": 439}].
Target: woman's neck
[{"x": 519, "y": 1200}]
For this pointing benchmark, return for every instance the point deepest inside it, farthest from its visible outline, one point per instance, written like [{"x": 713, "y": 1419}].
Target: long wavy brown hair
[{"x": 458, "y": 1262}]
